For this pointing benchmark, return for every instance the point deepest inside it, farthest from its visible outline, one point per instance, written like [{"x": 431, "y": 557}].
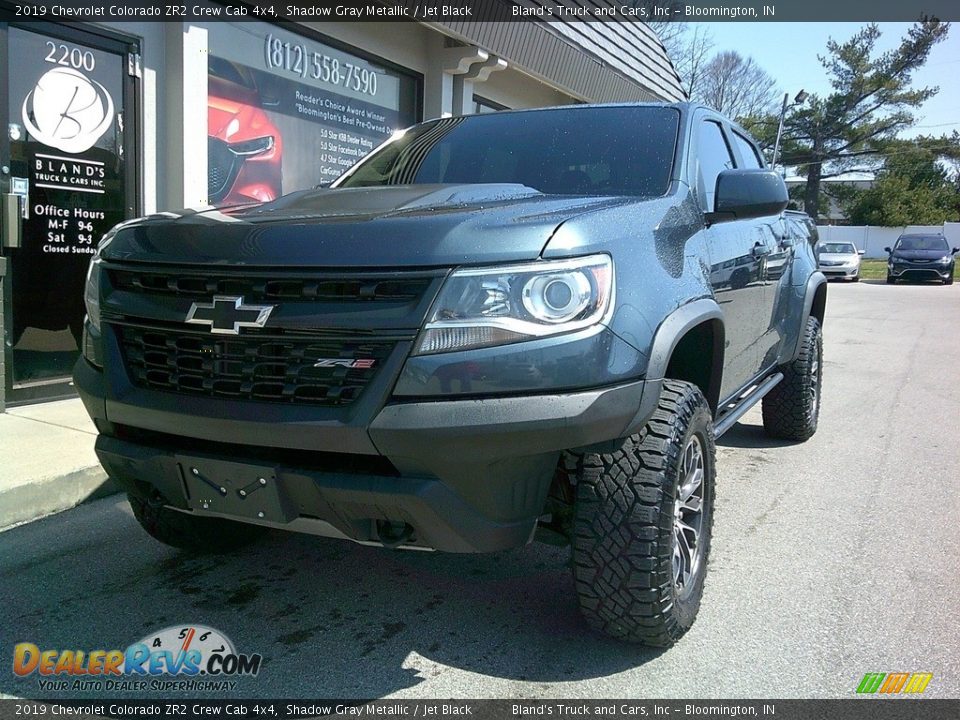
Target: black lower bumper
[
  {"x": 458, "y": 475},
  {"x": 383, "y": 510},
  {"x": 938, "y": 272}
]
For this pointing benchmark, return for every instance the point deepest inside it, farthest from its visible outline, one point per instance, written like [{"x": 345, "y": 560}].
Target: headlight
[
  {"x": 480, "y": 307},
  {"x": 946, "y": 259},
  {"x": 91, "y": 292},
  {"x": 257, "y": 146}
]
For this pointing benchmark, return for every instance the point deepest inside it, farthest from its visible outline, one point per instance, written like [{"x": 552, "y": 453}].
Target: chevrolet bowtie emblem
[{"x": 227, "y": 314}]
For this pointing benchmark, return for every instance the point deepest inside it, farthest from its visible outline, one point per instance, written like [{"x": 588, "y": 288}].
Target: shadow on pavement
[
  {"x": 742, "y": 435},
  {"x": 330, "y": 618}
]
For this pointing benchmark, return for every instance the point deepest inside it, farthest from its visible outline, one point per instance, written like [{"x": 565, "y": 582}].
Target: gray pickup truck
[{"x": 492, "y": 328}]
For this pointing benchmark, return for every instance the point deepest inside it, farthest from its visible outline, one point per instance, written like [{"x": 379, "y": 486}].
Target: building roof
[{"x": 597, "y": 61}]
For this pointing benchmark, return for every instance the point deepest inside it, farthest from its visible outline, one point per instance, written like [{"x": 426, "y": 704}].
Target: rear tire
[
  {"x": 792, "y": 409},
  {"x": 191, "y": 532},
  {"x": 642, "y": 523}
]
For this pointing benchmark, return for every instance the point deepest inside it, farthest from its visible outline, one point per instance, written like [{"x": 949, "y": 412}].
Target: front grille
[
  {"x": 272, "y": 289},
  {"x": 222, "y": 167},
  {"x": 251, "y": 368}
]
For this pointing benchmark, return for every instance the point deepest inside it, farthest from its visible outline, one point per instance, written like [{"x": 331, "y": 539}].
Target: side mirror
[
  {"x": 887, "y": 250},
  {"x": 955, "y": 251},
  {"x": 743, "y": 194},
  {"x": 861, "y": 252}
]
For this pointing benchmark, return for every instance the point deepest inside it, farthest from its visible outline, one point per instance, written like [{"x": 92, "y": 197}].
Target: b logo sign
[{"x": 67, "y": 110}]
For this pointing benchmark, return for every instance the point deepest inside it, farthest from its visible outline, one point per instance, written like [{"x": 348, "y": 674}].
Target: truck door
[
  {"x": 737, "y": 258},
  {"x": 776, "y": 260}
]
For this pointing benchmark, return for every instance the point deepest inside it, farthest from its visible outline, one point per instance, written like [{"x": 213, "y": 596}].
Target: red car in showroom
[{"x": 244, "y": 146}]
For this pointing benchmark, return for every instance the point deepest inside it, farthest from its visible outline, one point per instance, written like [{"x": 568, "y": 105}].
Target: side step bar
[{"x": 727, "y": 420}]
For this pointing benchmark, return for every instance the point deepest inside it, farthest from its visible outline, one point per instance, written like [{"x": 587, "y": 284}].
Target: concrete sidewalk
[{"x": 47, "y": 460}]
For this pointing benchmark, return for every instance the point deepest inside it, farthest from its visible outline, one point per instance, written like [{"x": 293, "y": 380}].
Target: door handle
[
  {"x": 11, "y": 223},
  {"x": 760, "y": 250}
]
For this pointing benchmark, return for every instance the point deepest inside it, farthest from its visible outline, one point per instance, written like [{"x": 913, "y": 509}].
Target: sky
[{"x": 788, "y": 51}]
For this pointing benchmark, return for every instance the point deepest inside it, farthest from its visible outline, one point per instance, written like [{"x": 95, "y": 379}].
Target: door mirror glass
[{"x": 743, "y": 194}]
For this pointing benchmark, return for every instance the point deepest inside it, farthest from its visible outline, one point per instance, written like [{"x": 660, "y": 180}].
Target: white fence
[{"x": 872, "y": 240}]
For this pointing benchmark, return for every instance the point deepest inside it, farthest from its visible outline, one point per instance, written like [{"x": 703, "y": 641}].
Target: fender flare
[
  {"x": 665, "y": 339},
  {"x": 814, "y": 282},
  {"x": 673, "y": 328}
]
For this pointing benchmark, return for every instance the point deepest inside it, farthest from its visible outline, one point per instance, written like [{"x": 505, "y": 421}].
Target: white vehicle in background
[{"x": 839, "y": 260}]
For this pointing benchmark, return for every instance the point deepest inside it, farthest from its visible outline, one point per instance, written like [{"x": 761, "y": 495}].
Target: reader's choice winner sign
[{"x": 294, "y": 114}]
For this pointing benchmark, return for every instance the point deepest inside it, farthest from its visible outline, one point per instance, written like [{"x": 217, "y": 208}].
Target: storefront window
[{"x": 286, "y": 112}]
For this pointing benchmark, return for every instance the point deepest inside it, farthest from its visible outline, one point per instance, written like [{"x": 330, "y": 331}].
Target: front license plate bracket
[{"x": 235, "y": 489}]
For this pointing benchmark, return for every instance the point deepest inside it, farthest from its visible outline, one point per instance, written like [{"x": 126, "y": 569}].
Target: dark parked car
[
  {"x": 921, "y": 257},
  {"x": 492, "y": 328}
]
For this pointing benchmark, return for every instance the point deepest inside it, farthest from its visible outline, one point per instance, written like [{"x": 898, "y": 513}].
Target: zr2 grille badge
[{"x": 358, "y": 364}]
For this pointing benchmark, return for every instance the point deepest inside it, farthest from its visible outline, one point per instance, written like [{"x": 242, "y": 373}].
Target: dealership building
[{"x": 108, "y": 120}]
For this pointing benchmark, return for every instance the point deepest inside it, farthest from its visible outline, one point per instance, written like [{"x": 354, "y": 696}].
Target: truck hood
[{"x": 392, "y": 226}]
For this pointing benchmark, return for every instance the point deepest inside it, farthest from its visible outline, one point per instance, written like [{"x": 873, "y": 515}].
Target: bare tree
[
  {"x": 736, "y": 86},
  {"x": 688, "y": 46}
]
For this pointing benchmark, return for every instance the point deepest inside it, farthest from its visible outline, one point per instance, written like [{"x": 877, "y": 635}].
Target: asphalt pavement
[{"x": 830, "y": 559}]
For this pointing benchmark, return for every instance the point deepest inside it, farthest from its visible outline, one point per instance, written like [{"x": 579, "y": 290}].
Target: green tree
[
  {"x": 869, "y": 105},
  {"x": 915, "y": 186}
]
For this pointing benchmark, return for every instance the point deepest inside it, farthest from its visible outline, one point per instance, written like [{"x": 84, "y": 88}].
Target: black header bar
[{"x": 480, "y": 10}]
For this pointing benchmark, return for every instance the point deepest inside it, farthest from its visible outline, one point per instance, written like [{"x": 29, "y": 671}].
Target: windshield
[
  {"x": 840, "y": 248},
  {"x": 580, "y": 151},
  {"x": 922, "y": 242}
]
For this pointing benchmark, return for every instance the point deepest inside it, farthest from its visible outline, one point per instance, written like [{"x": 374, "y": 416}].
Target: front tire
[
  {"x": 191, "y": 532},
  {"x": 642, "y": 523},
  {"x": 792, "y": 409},
  {"x": 891, "y": 280}
]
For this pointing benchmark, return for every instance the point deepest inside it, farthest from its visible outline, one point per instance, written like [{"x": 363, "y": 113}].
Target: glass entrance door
[{"x": 64, "y": 152}]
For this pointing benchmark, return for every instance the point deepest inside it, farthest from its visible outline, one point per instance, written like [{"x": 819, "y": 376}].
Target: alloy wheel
[{"x": 688, "y": 516}]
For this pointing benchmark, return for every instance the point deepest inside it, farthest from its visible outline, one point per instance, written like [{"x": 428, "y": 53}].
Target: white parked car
[{"x": 839, "y": 260}]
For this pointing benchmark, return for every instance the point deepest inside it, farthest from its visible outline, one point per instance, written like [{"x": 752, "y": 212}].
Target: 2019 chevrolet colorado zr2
[{"x": 491, "y": 325}]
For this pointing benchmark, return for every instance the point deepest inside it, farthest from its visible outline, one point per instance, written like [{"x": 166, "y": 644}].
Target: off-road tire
[
  {"x": 792, "y": 409},
  {"x": 624, "y": 523},
  {"x": 190, "y": 532}
]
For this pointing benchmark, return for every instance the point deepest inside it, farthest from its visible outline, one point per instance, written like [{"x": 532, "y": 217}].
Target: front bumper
[
  {"x": 453, "y": 475},
  {"x": 840, "y": 271},
  {"x": 928, "y": 271}
]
